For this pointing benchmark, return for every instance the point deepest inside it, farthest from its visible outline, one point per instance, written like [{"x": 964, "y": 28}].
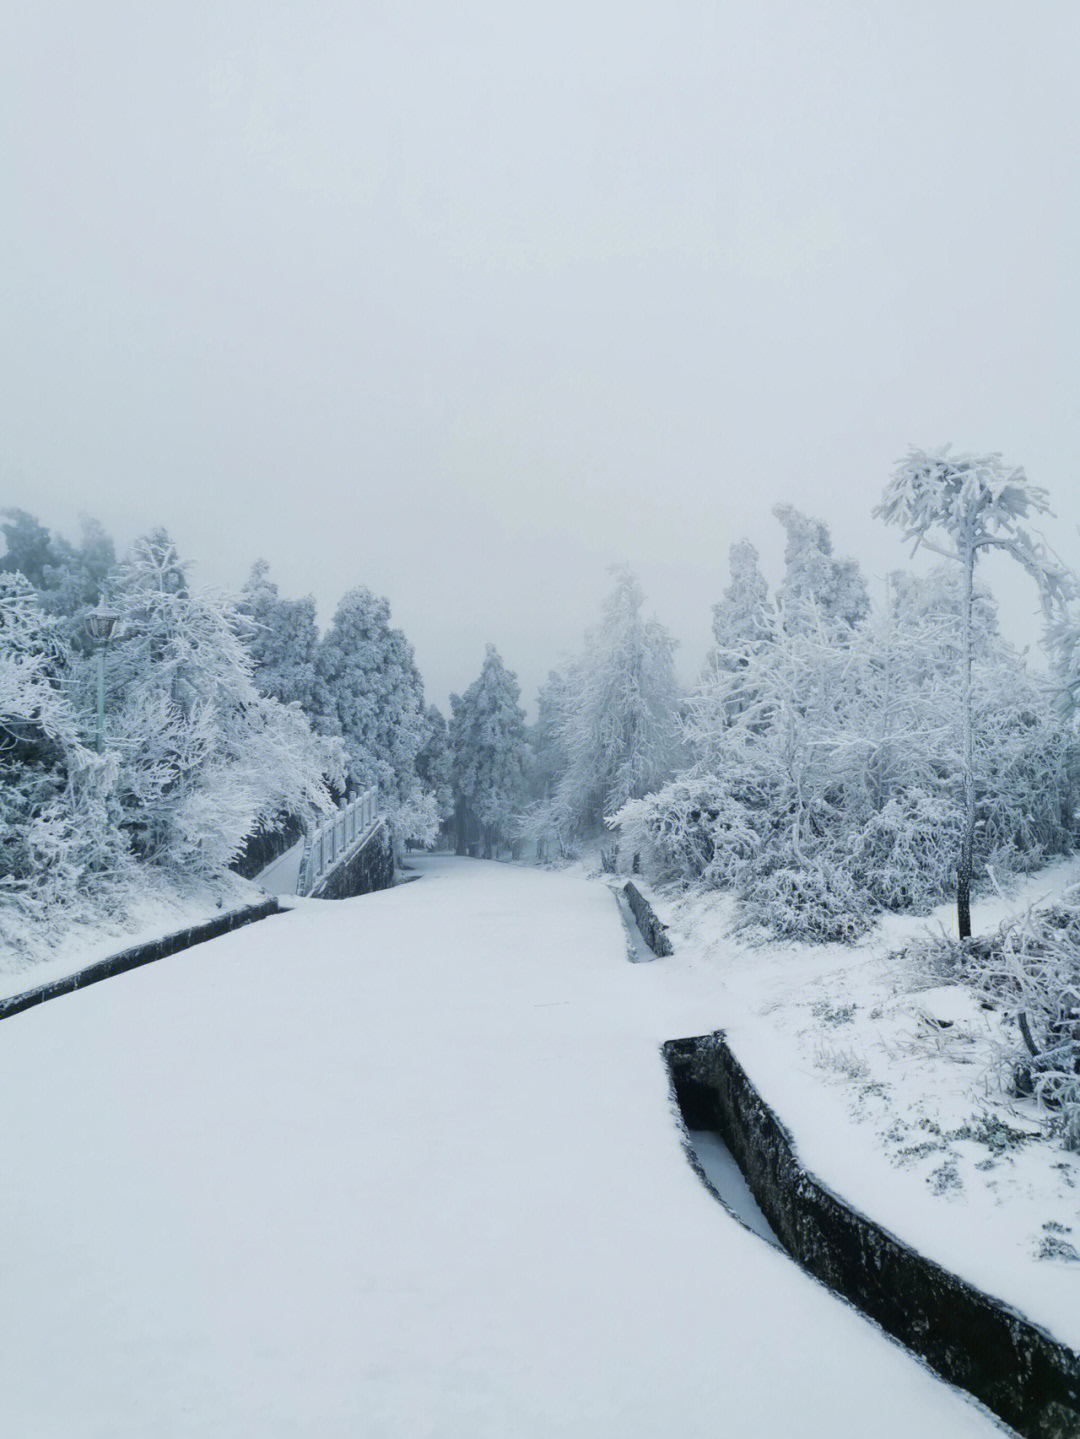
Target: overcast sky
[{"x": 467, "y": 301}]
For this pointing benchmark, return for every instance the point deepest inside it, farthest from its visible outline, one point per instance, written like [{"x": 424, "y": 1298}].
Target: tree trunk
[{"x": 967, "y": 832}]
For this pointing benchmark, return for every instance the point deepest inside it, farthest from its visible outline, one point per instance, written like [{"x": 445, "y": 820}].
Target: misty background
[{"x": 467, "y": 303}]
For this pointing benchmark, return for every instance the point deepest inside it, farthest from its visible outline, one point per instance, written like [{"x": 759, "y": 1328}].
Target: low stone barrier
[
  {"x": 977, "y": 1342},
  {"x": 654, "y": 932},
  {"x": 368, "y": 868},
  {"x": 139, "y": 954}
]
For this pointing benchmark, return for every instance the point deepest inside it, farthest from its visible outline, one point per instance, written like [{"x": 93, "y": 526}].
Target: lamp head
[{"x": 101, "y": 622}]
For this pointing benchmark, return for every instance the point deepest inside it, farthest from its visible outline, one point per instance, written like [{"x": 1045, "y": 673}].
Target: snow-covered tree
[
  {"x": 487, "y": 738},
  {"x": 960, "y": 506},
  {"x": 29, "y": 547},
  {"x": 369, "y": 691},
  {"x": 69, "y": 579},
  {"x": 619, "y": 721},
  {"x": 813, "y": 573},
  {"x": 546, "y": 762},
  {"x": 745, "y": 615},
  {"x": 827, "y": 773},
  {"x": 58, "y": 832},
  {"x": 203, "y": 760},
  {"x": 282, "y": 641},
  {"x": 435, "y": 763}
]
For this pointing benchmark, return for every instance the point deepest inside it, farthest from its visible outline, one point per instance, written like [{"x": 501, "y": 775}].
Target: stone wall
[
  {"x": 655, "y": 933},
  {"x": 972, "y": 1340},
  {"x": 369, "y": 868},
  {"x": 140, "y": 954}
]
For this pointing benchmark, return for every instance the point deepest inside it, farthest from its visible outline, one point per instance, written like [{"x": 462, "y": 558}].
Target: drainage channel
[
  {"x": 971, "y": 1339},
  {"x": 725, "y": 1176},
  {"x": 637, "y": 946}
]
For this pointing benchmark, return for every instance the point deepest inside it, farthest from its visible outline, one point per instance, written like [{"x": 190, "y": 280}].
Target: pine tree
[
  {"x": 812, "y": 573},
  {"x": 619, "y": 721},
  {"x": 488, "y": 742},
  {"x": 283, "y": 639},
  {"x": 369, "y": 691},
  {"x": 744, "y": 616},
  {"x": 435, "y": 763}
]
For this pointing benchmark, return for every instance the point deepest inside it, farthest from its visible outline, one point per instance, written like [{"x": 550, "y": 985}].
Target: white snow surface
[{"x": 402, "y": 1165}]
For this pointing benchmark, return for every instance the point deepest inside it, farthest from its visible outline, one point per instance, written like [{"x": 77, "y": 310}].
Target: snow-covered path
[
  {"x": 281, "y": 874},
  {"x": 399, "y": 1166}
]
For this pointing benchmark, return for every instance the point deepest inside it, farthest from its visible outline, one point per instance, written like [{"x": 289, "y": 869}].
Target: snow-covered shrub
[
  {"x": 903, "y": 855},
  {"x": 1028, "y": 971},
  {"x": 695, "y": 828},
  {"x": 810, "y": 897}
]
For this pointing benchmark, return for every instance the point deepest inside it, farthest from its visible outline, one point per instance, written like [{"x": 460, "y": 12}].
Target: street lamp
[{"x": 100, "y": 623}]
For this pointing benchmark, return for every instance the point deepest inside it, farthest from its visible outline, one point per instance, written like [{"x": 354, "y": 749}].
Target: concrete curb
[
  {"x": 977, "y": 1342},
  {"x": 140, "y": 954},
  {"x": 653, "y": 932}
]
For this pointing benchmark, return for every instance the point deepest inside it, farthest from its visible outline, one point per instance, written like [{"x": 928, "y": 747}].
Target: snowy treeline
[
  {"x": 840, "y": 751},
  {"x": 225, "y": 718},
  {"x": 835, "y": 758}
]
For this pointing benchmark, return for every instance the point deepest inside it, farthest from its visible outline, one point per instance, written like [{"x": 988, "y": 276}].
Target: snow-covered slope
[{"x": 402, "y": 1166}]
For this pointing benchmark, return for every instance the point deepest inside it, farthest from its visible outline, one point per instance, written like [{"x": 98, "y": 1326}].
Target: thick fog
[{"x": 466, "y": 302}]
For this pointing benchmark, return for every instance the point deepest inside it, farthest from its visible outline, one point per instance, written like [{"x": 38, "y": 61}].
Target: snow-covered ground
[
  {"x": 902, "y": 1115},
  {"x": 403, "y": 1165}
]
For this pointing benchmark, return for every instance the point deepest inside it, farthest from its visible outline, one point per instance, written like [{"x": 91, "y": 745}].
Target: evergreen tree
[
  {"x": 369, "y": 691},
  {"x": 619, "y": 722},
  {"x": 283, "y": 639},
  {"x": 488, "y": 742},
  {"x": 744, "y": 616},
  {"x": 435, "y": 764},
  {"x": 29, "y": 548},
  {"x": 202, "y": 759},
  {"x": 812, "y": 573},
  {"x": 68, "y": 579}
]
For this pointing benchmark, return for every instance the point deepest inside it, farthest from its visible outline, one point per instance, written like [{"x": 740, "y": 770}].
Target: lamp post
[{"x": 100, "y": 623}]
